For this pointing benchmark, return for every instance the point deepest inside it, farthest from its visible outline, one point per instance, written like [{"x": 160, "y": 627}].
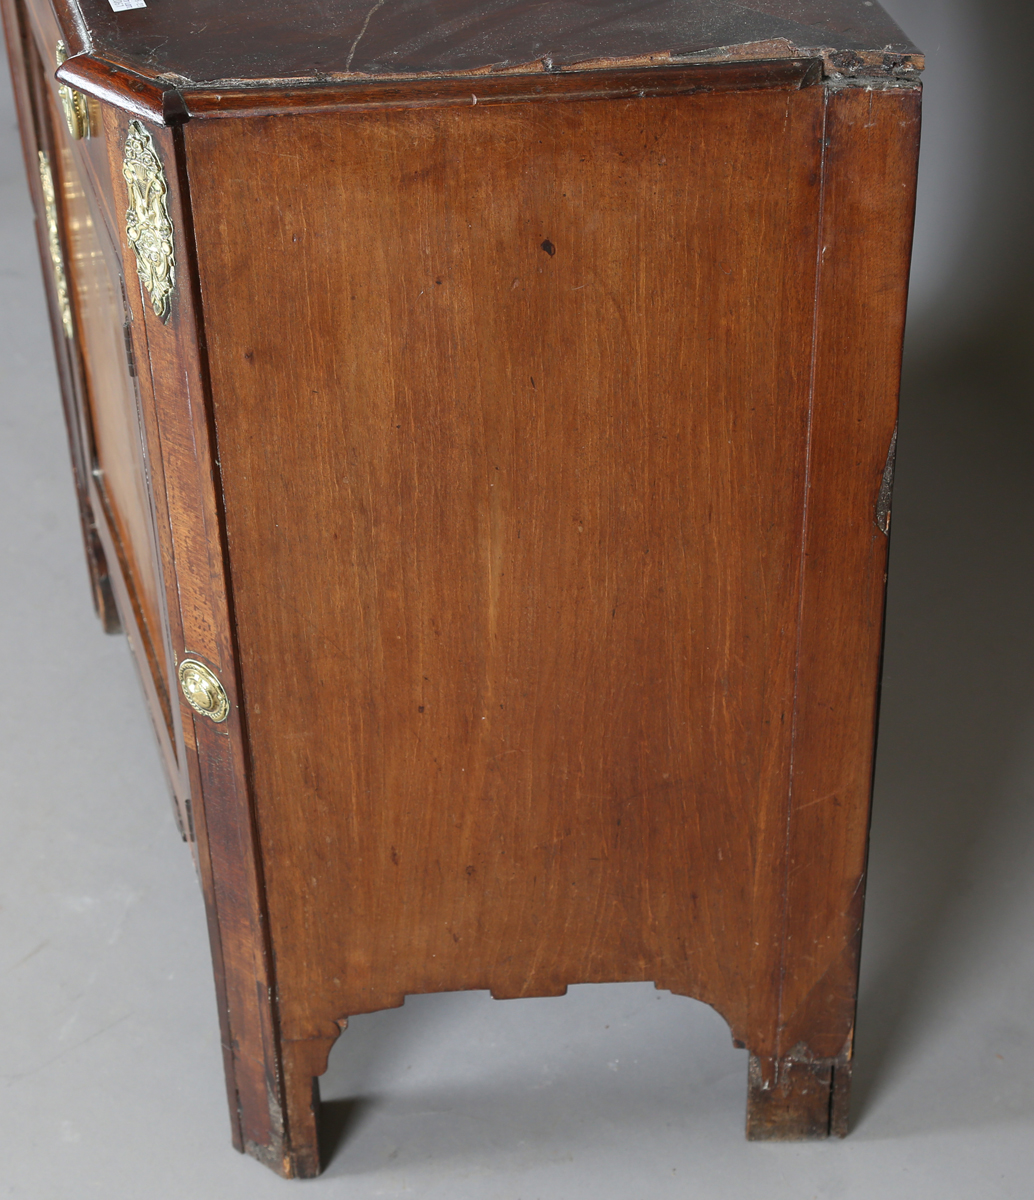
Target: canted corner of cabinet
[{"x": 154, "y": 99}]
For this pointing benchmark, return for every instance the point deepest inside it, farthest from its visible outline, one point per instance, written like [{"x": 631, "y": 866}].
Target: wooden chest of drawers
[{"x": 483, "y": 422}]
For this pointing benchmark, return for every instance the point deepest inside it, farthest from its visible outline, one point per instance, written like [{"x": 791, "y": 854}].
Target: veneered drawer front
[
  {"x": 90, "y": 150},
  {"x": 106, "y": 337},
  {"x": 100, "y": 325},
  {"x": 115, "y": 450}
]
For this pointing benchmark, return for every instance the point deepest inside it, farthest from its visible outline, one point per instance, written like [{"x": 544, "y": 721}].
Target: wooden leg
[
  {"x": 290, "y": 1144},
  {"x": 791, "y": 1101},
  {"x": 302, "y": 1103}
]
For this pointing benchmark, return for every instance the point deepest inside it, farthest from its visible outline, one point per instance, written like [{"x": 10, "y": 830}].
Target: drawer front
[
  {"x": 91, "y": 148},
  {"x": 106, "y": 338},
  {"x": 113, "y": 448}
]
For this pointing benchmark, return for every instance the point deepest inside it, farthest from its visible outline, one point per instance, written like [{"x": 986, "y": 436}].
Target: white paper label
[{"x": 122, "y": 5}]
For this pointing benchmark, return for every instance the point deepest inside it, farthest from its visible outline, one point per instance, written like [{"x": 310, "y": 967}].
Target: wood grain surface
[
  {"x": 870, "y": 169},
  {"x": 519, "y": 617},
  {"x": 514, "y": 416},
  {"x": 517, "y": 428},
  {"x": 513, "y": 459}
]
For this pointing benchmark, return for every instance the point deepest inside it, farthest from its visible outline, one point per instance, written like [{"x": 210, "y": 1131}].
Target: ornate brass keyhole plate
[
  {"x": 203, "y": 691},
  {"x": 148, "y": 225}
]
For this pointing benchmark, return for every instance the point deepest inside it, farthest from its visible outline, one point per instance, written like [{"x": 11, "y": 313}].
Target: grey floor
[{"x": 110, "y": 1073}]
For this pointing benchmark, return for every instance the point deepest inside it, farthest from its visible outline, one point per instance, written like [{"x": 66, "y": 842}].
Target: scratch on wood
[{"x": 359, "y": 36}]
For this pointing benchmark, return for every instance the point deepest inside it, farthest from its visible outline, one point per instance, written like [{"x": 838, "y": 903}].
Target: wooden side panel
[
  {"x": 521, "y": 490},
  {"x": 512, "y": 413},
  {"x": 873, "y": 143}
]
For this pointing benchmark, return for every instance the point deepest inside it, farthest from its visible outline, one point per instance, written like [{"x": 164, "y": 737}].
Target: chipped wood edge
[{"x": 170, "y": 99}]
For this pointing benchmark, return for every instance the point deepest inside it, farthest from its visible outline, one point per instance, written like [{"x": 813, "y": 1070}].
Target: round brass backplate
[
  {"x": 73, "y": 103},
  {"x": 203, "y": 691}
]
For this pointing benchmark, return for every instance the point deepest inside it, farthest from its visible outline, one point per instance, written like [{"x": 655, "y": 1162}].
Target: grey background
[{"x": 110, "y": 1073}]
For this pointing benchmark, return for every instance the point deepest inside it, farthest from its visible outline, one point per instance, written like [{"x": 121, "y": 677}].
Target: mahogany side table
[{"x": 483, "y": 417}]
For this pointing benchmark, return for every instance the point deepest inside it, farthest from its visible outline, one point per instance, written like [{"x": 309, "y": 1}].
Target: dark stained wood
[
  {"x": 512, "y": 453},
  {"x": 171, "y": 106},
  {"x": 793, "y": 1101},
  {"x": 242, "y": 61},
  {"x": 504, "y": 89},
  {"x": 211, "y": 40},
  {"x": 116, "y": 84}
]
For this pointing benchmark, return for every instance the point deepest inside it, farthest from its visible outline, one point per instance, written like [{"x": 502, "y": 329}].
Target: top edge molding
[
  {"x": 229, "y": 45},
  {"x": 171, "y": 101}
]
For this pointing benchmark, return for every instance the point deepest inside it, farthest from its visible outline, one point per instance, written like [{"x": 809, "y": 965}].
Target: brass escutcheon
[
  {"x": 57, "y": 261},
  {"x": 148, "y": 225},
  {"x": 73, "y": 103},
  {"x": 203, "y": 691}
]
